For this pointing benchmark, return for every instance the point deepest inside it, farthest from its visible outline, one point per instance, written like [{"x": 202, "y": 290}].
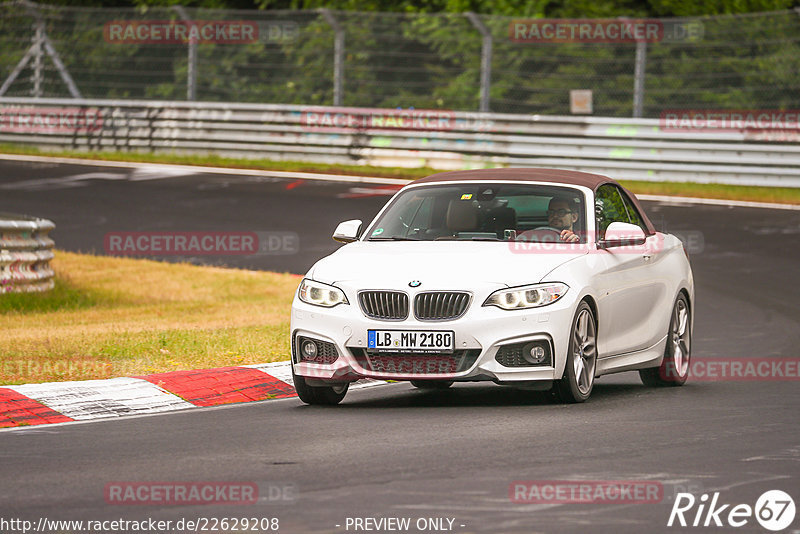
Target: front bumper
[{"x": 479, "y": 334}]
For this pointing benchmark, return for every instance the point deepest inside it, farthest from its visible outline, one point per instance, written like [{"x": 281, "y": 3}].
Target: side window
[
  {"x": 609, "y": 207},
  {"x": 633, "y": 213}
]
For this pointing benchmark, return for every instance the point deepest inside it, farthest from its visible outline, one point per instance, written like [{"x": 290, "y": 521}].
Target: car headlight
[
  {"x": 320, "y": 294},
  {"x": 534, "y": 296}
]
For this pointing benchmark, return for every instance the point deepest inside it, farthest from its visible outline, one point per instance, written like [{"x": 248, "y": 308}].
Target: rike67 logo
[{"x": 774, "y": 510}]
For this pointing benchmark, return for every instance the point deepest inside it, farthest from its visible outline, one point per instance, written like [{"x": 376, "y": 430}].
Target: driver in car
[{"x": 562, "y": 216}]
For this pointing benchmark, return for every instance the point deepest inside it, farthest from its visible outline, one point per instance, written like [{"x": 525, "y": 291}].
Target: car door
[
  {"x": 628, "y": 290},
  {"x": 658, "y": 271}
]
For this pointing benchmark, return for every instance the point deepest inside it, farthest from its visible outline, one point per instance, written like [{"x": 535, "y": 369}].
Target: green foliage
[
  {"x": 692, "y": 8},
  {"x": 515, "y": 8},
  {"x": 428, "y": 56}
]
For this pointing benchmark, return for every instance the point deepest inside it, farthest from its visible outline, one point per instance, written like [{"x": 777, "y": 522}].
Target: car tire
[
  {"x": 432, "y": 384},
  {"x": 325, "y": 395},
  {"x": 674, "y": 368},
  {"x": 579, "y": 373}
]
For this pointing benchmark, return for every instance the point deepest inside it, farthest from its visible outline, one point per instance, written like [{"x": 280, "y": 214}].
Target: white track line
[
  {"x": 195, "y": 169},
  {"x": 173, "y": 170}
]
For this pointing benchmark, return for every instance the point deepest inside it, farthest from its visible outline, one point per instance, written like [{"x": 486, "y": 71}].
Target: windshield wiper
[{"x": 394, "y": 238}]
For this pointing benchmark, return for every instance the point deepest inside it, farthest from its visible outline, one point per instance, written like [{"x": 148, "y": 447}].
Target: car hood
[{"x": 441, "y": 265}]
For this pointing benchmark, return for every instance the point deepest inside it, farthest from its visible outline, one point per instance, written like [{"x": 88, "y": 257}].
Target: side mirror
[
  {"x": 619, "y": 234},
  {"x": 347, "y": 231}
]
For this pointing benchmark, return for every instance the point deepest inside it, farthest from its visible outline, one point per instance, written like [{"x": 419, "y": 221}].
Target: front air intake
[
  {"x": 440, "y": 305},
  {"x": 384, "y": 305}
]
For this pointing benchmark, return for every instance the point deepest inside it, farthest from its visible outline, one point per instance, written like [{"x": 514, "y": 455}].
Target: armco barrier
[
  {"x": 25, "y": 253},
  {"x": 636, "y": 149}
]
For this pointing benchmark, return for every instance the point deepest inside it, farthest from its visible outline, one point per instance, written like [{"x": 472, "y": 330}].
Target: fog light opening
[
  {"x": 536, "y": 353},
  {"x": 308, "y": 349}
]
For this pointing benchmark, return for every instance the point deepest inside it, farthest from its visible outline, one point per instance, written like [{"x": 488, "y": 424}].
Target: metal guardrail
[
  {"x": 25, "y": 254},
  {"x": 635, "y": 149}
]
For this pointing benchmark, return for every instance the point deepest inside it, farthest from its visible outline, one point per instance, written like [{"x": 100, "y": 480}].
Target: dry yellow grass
[{"x": 124, "y": 317}]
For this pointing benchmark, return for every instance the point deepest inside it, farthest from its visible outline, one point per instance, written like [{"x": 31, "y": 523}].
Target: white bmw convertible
[{"x": 535, "y": 278}]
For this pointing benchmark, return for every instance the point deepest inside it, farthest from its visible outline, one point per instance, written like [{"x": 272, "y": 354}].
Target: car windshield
[{"x": 481, "y": 212}]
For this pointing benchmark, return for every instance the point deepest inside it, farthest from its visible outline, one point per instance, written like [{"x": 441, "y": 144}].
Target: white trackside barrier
[
  {"x": 25, "y": 254},
  {"x": 628, "y": 149}
]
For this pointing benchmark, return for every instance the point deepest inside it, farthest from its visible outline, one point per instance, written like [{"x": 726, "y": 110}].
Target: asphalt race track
[
  {"x": 86, "y": 203},
  {"x": 393, "y": 451}
]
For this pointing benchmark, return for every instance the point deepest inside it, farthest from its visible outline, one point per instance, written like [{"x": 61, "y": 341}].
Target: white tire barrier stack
[{"x": 25, "y": 253}]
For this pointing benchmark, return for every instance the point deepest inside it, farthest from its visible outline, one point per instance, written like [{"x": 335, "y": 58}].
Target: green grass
[
  {"x": 212, "y": 160},
  {"x": 64, "y": 296},
  {"x": 783, "y": 195}
]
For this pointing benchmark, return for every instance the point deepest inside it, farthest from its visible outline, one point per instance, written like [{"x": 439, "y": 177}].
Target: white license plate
[{"x": 411, "y": 340}]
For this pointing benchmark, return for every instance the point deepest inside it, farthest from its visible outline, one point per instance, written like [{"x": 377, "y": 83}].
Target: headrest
[
  {"x": 504, "y": 218},
  {"x": 462, "y": 216}
]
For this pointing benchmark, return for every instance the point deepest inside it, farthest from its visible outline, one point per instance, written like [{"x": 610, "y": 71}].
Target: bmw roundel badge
[{"x": 414, "y": 283}]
